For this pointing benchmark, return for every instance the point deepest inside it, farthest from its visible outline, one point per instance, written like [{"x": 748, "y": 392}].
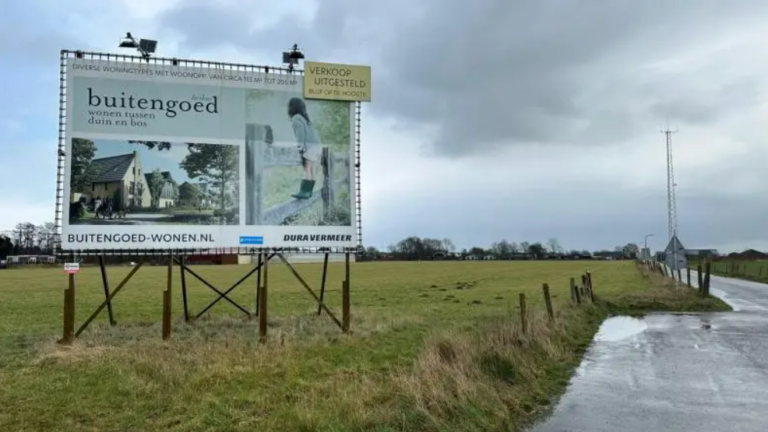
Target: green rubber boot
[{"x": 305, "y": 191}]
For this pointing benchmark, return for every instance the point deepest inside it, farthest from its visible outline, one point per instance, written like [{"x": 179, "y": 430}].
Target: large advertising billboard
[{"x": 160, "y": 156}]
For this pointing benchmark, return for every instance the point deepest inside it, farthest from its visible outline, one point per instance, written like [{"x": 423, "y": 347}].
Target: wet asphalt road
[{"x": 705, "y": 372}]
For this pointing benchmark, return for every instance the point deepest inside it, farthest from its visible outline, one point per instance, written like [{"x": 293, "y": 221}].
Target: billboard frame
[
  {"x": 166, "y": 61},
  {"x": 179, "y": 257}
]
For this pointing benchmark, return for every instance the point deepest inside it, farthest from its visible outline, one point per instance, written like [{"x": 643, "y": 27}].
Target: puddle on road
[{"x": 618, "y": 328}]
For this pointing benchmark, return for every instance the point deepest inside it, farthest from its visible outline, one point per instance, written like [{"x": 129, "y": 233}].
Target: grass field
[
  {"x": 436, "y": 346},
  {"x": 749, "y": 270}
]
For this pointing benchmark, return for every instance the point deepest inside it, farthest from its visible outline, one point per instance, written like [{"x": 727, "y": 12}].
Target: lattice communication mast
[{"x": 671, "y": 200}]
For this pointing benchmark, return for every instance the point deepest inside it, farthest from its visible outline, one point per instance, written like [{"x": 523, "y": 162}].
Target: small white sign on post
[{"x": 71, "y": 268}]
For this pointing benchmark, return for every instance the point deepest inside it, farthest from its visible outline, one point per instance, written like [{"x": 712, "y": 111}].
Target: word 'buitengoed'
[
  {"x": 171, "y": 107},
  {"x": 336, "y": 77}
]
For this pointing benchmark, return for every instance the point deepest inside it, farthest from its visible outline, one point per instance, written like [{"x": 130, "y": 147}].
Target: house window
[
  {"x": 93, "y": 187},
  {"x": 133, "y": 187},
  {"x": 134, "y": 170}
]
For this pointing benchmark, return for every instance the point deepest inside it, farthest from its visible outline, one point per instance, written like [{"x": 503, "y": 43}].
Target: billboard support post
[
  {"x": 263, "y": 303},
  {"x": 183, "y": 278},
  {"x": 105, "y": 282},
  {"x": 110, "y": 297},
  {"x": 167, "y": 298},
  {"x": 309, "y": 289},
  {"x": 322, "y": 284},
  {"x": 230, "y": 289},
  {"x": 216, "y": 290},
  {"x": 69, "y": 312},
  {"x": 258, "y": 283},
  {"x": 345, "y": 297}
]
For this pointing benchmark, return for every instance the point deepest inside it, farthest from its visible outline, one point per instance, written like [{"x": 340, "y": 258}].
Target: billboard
[{"x": 163, "y": 156}]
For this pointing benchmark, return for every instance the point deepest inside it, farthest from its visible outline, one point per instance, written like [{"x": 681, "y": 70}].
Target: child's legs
[{"x": 308, "y": 169}]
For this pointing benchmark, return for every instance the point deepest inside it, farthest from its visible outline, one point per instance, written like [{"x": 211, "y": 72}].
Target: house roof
[{"x": 112, "y": 169}]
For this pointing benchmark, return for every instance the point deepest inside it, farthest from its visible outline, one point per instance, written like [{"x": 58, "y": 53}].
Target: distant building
[
  {"x": 701, "y": 253},
  {"x": 750, "y": 254},
  {"x": 645, "y": 253}
]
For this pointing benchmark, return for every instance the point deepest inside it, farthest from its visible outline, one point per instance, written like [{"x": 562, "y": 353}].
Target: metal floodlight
[
  {"x": 292, "y": 57},
  {"x": 144, "y": 46},
  {"x": 128, "y": 41},
  {"x": 148, "y": 45}
]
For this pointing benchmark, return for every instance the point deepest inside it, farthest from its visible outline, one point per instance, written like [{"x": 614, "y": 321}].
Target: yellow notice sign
[{"x": 337, "y": 82}]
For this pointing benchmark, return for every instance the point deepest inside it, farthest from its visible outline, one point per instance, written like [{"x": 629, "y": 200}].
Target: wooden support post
[
  {"x": 589, "y": 287},
  {"x": 69, "y": 312},
  {"x": 105, "y": 283},
  {"x": 183, "y": 278},
  {"x": 345, "y": 318},
  {"x": 110, "y": 298},
  {"x": 263, "y": 301},
  {"x": 258, "y": 284},
  {"x": 322, "y": 284},
  {"x": 680, "y": 275},
  {"x": 167, "y": 300},
  {"x": 688, "y": 275},
  {"x": 548, "y": 302},
  {"x": 523, "y": 312}
]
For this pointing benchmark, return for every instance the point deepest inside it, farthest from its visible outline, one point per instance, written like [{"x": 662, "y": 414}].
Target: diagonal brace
[
  {"x": 200, "y": 278},
  {"x": 312, "y": 293},
  {"x": 110, "y": 297},
  {"x": 242, "y": 279}
]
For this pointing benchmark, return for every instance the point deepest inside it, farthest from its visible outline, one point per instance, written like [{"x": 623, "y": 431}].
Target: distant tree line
[
  {"x": 416, "y": 248},
  {"x": 28, "y": 239}
]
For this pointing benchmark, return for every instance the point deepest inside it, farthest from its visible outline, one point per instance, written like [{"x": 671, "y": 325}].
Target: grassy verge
[
  {"x": 437, "y": 346},
  {"x": 756, "y": 271}
]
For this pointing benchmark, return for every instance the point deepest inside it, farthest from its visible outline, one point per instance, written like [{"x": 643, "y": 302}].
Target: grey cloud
[
  {"x": 207, "y": 24},
  {"x": 703, "y": 104},
  {"x": 497, "y": 72}
]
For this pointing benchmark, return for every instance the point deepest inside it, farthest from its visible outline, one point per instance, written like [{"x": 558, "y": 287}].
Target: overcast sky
[{"x": 493, "y": 119}]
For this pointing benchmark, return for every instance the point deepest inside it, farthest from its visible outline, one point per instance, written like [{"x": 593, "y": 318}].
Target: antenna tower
[{"x": 671, "y": 200}]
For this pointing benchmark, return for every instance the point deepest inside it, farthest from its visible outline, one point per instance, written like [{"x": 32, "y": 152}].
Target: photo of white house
[{"x": 140, "y": 183}]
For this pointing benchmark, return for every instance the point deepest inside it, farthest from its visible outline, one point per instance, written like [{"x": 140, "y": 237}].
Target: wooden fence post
[
  {"x": 700, "y": 274},
  {"x": 548, "y": 302},
  {"x": 523, "y": 318},
  {"x": 679, "y": 275},
  {"x": 574, "y": 292},
  {"x": 707, "y": 270},
  {"x": 688, "y": 275},
  {"x": 69, "y": 312},
  {"x": 590, "y": 290}
]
